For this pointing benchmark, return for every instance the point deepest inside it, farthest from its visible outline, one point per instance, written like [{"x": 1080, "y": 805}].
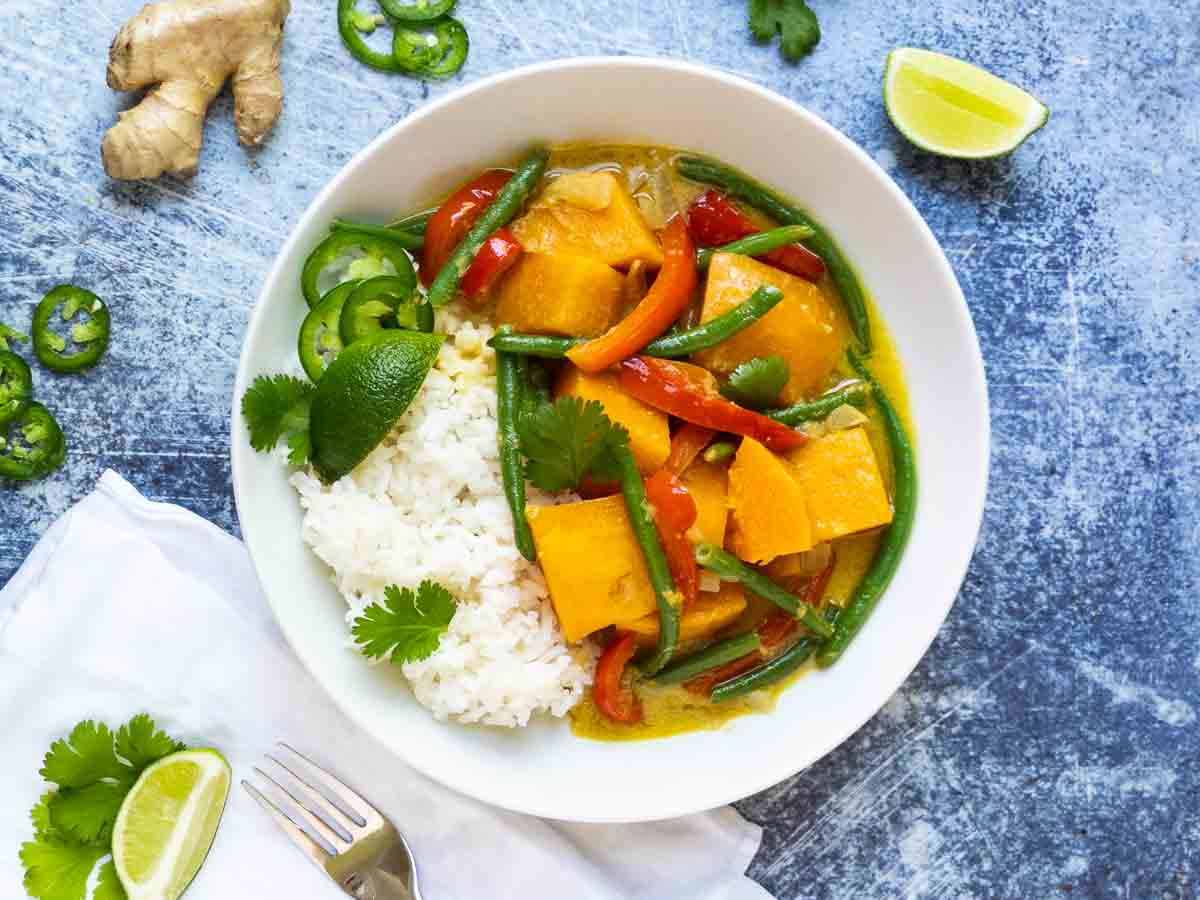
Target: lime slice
[
  {"x": 952, "y": 108},
  {"x": 167, "y": 823}
]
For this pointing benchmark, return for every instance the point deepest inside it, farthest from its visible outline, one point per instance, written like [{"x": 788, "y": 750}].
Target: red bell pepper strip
[
  {"x": 666, "y": 300},
  {"x": 454, "y": 218},
  {"x": 687, "y": 443},
  {"x": 690, "y": 393},
  {"x": 498, "y": 254},
  {"x": 616, "y": 700},
  {"x": 713, "y": 220},
  {"x": 674, "y": 514}
]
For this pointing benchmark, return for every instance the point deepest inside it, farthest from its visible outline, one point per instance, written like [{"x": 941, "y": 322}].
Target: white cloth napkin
[{"x": 130, "y": 606}]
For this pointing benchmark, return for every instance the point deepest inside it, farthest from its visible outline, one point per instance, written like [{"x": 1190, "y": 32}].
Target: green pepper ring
[
  {"x": 49, "y": 447},
  {"x": 421, "y": 11},
  {"x": 357, "y": 321},
  {"x": 55, "y": 359},
  {"x": 16, "y": 386},
  {"x": 321, "y": 325},
  {"x": 333, "y": 245},
  {"x": 384, "y": 62},
  {"x": 416, "y": 56}
]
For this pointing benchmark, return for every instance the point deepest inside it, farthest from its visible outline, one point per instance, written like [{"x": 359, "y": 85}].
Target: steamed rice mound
[{"x": 429, "y": 503}]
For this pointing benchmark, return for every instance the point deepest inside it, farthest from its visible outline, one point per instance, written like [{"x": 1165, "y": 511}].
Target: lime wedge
[
  {"x": 952, "y": 108},
  {"x": 167, "y": 823}
]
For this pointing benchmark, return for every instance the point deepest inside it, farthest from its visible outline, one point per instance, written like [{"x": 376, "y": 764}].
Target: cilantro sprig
[
  {"x": 277, "y": 406},
  {"x": 408, "y": 626},
  {"x": 568, "y": 439},
  {"x": 758, "y": 382},
  {"x": 792, "y": 20},
  {"x": 92, "y": 769}
]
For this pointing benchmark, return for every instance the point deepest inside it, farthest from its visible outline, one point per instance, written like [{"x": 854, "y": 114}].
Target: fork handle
[{"x": 377, "y": 884}]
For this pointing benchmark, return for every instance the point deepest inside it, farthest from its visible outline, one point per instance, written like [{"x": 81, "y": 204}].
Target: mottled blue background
[{"x": 1047, "y": 745}]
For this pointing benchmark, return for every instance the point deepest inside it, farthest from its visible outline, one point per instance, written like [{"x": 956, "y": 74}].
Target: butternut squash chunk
[
  {"x": 709, "y": 486},
  {"x": 589, "y": 214},
  {"x": 804, "y": 328},
  {"x": 711, "y": 612},
  {"x": 566, "y": 295},
  {"x": 768, "y": 513},
  {"x": 592, "y": 563},
  {"x": 842, "y": 485},
  {"x": 649, "y": 431}
]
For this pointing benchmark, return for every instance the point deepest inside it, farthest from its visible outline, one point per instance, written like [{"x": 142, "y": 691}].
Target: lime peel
[{"x": 952, "y": 108}]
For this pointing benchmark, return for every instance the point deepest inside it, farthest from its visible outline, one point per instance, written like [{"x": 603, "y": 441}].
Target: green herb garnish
[
  {"x": 277, "y": 406},
  {"x": 408, "y": 626},
  {"x": 792, "y": 20},
  {"x": 757, "y": 383},
  {"x": 568, "y": 439}
]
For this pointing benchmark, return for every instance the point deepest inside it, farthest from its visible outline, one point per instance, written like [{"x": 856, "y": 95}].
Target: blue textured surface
[{"x": 1048, "y": 744}]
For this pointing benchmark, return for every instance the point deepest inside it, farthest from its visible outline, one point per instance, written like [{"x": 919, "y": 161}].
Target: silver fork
[{"x": 338, "y": 830}]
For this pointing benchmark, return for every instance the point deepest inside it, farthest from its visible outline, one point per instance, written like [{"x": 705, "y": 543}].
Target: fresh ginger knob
[{"x": 189, "y": 48}]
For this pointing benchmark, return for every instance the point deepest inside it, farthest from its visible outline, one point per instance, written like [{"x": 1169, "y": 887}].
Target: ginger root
[{"x": 189, "y": 48}]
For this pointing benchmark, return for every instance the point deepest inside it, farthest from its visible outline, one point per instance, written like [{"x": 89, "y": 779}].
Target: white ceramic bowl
[{"x": 545, "y": 770}]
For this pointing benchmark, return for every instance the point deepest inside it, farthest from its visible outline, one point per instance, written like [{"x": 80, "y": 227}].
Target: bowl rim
[{"x": 239, "y": 448}]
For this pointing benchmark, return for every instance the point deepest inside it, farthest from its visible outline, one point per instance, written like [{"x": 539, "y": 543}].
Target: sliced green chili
[
  {"x": 34, "y": 447},
  {"x": 348, "y": 28},
  {"x": 386, "y": 301},
  {"x": 891, "y": 548},
  {"x": 421, "y": 11},
  {"x": 409, "y": 240},
  {"x": 669, "y": 346},
  {"x": 338, "y": 243},
  {"x": 757, "y": 244},
  {"x": 90, "y": 336},
  {"x": 772, "y": 204},
  {"x": 710, "y": 657},
  {"x": 811, "y": 410},
  {"x": 16, "y": 386},
  {"x": 721, "y": 451},
  {"x": 10, "y": 334},
  {"x": 509, "y": 406},
  {"x": 666, "y": 595},
  {"x": 728, "y": 566},
  {"x": 499, "y": 213},
  {"x": 320, "y": 336},
  {"x": 435, "y": 49}
]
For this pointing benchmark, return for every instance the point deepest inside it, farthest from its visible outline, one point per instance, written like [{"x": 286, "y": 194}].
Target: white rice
[{"x": 429, "y": 503}]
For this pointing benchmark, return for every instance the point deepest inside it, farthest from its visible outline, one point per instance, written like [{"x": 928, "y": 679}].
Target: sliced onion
[{"x": 845, "y": 416}]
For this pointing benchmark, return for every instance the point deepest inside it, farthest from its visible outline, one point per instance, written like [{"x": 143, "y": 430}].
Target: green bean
[
  {"x": 710, "y": 657},
  {"x": 766, "y": 674},
  {"x": 757, "y": 244},
  {"x": 498, "y": 214},
  {"x": 666, "y": 595},
  {"x": 670, "y": 346},
  {"x": 719, "y": 452},
  {"x": 767, "y": 201},
  {"x": 414, "y": 224},
  {"x": 537, "y": 381},
  {"x": 406, "y": 239},
  {"x": 510, "y": 403},
  {"x": 810, "y": 410},
  {"x": 728, "y": 566},
  {"x": 887, "y": 557}
]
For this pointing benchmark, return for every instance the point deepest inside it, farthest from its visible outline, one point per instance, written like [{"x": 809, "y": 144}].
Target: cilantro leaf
[
  {"x": 40, "y": 815},
  {"x": 87, "y": 814},
  {"x": 757, "y": 383},
  {"x": 409, "y": 626},
  {"x": 568, "y": 439},
  {"x": 57, "y": 869},
  {"x": 10, "y": 334},
  {"x": 84, "y": 758},
  {"x": 275, "y": 406},
  {"x": 795, "y": 23},
  {"x": 108, "y": 886},
  {"x": 139, "y": 742}
]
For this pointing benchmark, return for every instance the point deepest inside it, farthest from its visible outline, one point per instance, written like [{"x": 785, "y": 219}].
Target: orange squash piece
[
  {"x": 709, "y": 486},
  {"x": 589, "y": 214},
  {"x": 649, "y": 430},
  {"x": 842, "y": 485},
  {"x": 804, "y": 328},
  {"x": 592, "y": 563},
  {"x": 711, "y": 612},
  {"x": 565, "y": 295},
  {"x": 768, "y": 513}
]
